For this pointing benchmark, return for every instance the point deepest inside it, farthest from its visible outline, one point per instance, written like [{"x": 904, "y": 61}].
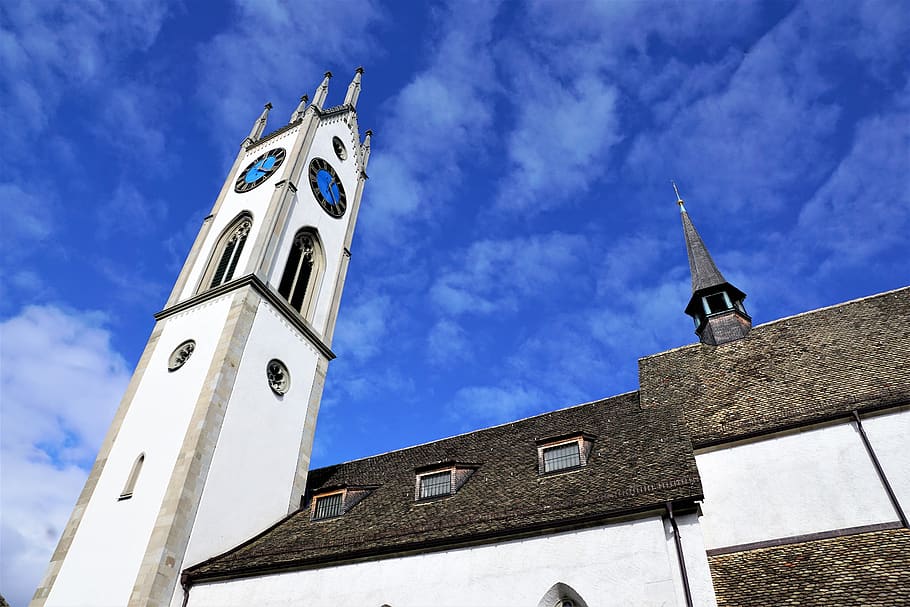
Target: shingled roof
[
  {"x": 811, "y": 367},
  {"x": 640, "y": 459}
]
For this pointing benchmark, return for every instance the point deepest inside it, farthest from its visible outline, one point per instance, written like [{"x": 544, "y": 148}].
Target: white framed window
[
  {"x": 561, "y": 457},
  {"x": 564, "y": 453},
  {"x": 434, "y": 484}
]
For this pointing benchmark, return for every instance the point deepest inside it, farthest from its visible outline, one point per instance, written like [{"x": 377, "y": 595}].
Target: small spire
[
  {"x": 365, "y": 149},
  {"x": 322, "y": 92},
  {"x": 716, "y": 305},
  {"x": 301, "y": 108},
  {"x": 259, "y": 125},
  {"x": 354, "y": 88}
]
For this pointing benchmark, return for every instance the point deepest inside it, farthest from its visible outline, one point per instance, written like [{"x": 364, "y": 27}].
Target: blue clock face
[
  {"x": 327, "y": 187},
  {"x": 259, "y": 170}
]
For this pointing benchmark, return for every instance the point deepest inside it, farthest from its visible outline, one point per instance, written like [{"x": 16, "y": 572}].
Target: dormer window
[
  {"x": 436, "y": 484},
  {"x": 331, "y": 502},
  {"x": 328, "y": 506},
  {"x": 563, "y": 453},
  {"x": 442, "y": 479},
  {"x": 561, "y": 457}
]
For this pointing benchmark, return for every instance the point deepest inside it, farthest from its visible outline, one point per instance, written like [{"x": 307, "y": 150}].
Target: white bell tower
[{"x": 212, "y": 440}]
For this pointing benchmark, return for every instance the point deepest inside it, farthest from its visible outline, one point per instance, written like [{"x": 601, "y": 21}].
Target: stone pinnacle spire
[
  {"x": 259, "y": 125},
  {"x": 322, "y": 92},
  {"x": 716, "y": 305},
  {"x": 301, "y": 108},
  {"x": 354, "y": 88}
]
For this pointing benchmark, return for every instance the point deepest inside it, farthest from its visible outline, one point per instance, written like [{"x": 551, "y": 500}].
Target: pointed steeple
[
  {"x": 259, "y": 125},
  {"x": 322, "y": 92},
  {"x": 716, "y": 305},
  {"x": 354, "y": 88},
  {"x": 301, "y": 108}
]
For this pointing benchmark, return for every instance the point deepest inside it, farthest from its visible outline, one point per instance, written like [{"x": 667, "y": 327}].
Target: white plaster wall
[
  {"x": 624, "y": 564},
  {"x": 306, "y": 212},
  {"x": 251, "y": 477},
  {"x": 255, "y": 202},
  {"x": 107, "y": 550},
  {"x": 807, "y": 482},
  {"x": 693, "y": 548},
  {"x": 890, "y": 437}
]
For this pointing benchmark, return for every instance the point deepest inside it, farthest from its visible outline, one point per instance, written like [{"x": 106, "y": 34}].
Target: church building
[{"x": 763, "y": 465}]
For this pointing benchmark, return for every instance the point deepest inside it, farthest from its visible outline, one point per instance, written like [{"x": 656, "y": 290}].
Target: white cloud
[
  {"x": 61, "y": 382},
  {"x": 362, "y": 327},
  {"x": 562, "y": 132},
  {"x": 435, "y": 126},
  {"x": 497, "y": 404},
  {"x": 447, "y": 343},
  {"x": 271, "y": 47},
  {"x": 502, "y": 275},
  {"x": 863, "y": 208},
  {"x": 47, "y": 49}
]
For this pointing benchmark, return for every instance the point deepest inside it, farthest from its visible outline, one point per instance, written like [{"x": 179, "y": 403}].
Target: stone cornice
[{"x": 277, "y": 301}]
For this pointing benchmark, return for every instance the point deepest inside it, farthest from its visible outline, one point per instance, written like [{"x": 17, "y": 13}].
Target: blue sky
[{"x": 519, "y": 246}]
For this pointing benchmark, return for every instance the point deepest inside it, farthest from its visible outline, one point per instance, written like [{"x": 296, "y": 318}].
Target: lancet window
[
  {"x": 228, "y": 252},
  {"x": 127, "y": 492},
  {"x": 298, "y": 283}
]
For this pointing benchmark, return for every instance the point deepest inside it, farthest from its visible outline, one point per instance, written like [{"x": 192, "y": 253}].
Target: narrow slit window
[
  {"x": 328, "y": 506},
  {"x": 231, "y": 249},
  {"x": 434, "y": 485},
  {"x": 300, "y": 273},
  {"x": 127, "y": 492},
  {"x": 561, "y": 457}
]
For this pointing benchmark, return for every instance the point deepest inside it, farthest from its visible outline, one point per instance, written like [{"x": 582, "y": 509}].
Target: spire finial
[
  {"x": 354, "y": 88},
  {"x": 259, "y": 125},
  {"x": 322, "y": 92},
  {"x": 301, "y": 108},
  {"x": 679, "y": 200}
]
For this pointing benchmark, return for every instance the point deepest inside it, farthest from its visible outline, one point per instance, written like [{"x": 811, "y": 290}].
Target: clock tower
[{"x": 211, "y": 442}]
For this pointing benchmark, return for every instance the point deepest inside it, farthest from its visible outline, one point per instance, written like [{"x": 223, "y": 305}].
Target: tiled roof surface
[
  {"x": 870, "y": 569},
  {"x": 639, "y": 460},
  {"x": 788, "y": 372}
]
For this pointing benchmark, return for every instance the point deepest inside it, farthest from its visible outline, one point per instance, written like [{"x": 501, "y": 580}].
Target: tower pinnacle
[
  {"x": 259, "y": 125},
  {"x": 322, "y": 92},
  {"x": 301, "y": 108},
  {"x": 716, "y": 305},
  {"x": 354, "y": 88}
]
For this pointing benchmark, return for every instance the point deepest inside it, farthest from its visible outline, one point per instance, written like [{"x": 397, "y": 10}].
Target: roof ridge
[
  {"x": 445, "y": 438},
  {"x": 790, "y": 317}
]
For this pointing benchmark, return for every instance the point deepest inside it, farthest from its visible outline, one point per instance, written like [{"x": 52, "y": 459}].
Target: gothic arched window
[
  {"x": 133, "y": 477},
  {"x": 561, "y": 595},
  {"x": 298, "y": 282},
  {"x": 228, "y": 251}
]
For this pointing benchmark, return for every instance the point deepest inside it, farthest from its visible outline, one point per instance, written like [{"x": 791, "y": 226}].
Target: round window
[
  {"x": 278, "y": 376},
  {"x": 339, "y": 148},
  {"x": 180, "y": 355}
]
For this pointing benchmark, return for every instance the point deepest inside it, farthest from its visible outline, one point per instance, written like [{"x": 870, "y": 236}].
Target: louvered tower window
[
  {"x": 230, "y": 254},
  {"x": 297, "y": 282}
]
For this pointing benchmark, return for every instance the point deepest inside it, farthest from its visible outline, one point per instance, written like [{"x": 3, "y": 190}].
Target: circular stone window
[
  {"x": 339, "y": 148},
  {"x": 180, "y": 355},
  {"x": 278, "y": 376}
]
